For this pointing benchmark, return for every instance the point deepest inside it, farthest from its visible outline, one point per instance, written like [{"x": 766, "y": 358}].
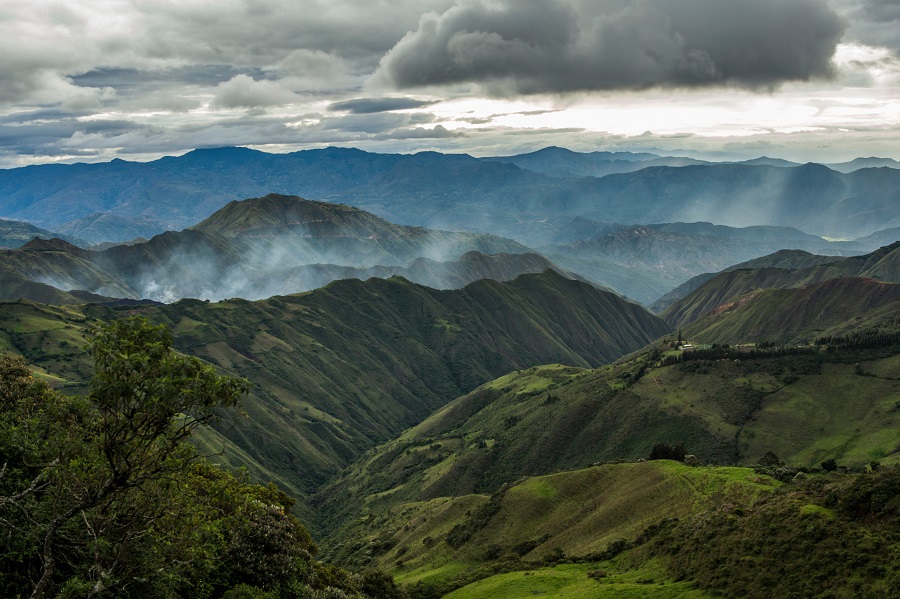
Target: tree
[
  {"x": 769, "y": 459},
  {"x": 666, "y": 451},
  {"x": 103, "y": 496},
  {"x": 85, "y": 481}
]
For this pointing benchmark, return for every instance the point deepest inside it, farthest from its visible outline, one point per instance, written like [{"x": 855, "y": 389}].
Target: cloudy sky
[{"x": 88, "y": 80}]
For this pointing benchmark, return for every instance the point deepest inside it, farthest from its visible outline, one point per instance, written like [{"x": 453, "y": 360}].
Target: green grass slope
[
  {"x": 449, "y": 541},
  {"x": 575, "y": 581},
  {"x": 806, "y": 408},
  {"x": 825, "y": 535}
]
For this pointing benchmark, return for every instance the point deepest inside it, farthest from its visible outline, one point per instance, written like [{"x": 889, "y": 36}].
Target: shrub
[{"x": 666, "y": 451}]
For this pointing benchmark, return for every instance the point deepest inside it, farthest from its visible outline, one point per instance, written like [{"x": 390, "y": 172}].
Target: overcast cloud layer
[{"x": 96, "y": 79}]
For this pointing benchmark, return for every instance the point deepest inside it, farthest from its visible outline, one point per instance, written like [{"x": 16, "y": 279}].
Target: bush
[
  {"x": 770, "y": 459},
  {"x": 665, "y": 451}
]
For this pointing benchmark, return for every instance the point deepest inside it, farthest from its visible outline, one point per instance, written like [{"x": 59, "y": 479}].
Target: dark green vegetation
[
  {"x": 733, "y": 285},
  {"x": 101, "y": 496},
  {"x": 258, "y": 248},
  {"x": 830, "y": 536},
  {"x": 340, "y": 368},
  {"x": 458, "y": 191}
]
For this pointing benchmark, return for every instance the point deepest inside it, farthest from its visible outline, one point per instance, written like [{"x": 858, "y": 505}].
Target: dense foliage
[
  {"x": 834, "y": 535},
  {"x": 101, "y": 496}
]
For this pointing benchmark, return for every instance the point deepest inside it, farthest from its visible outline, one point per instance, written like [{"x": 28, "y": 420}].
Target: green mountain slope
[
  {"x": 341, "y": 368},
  {"x": 58, "y": 264},
  {"x": 790, "y": 259},
  {"x": 839, "y": 306},
  {"x": 882, "y": 264},
  {"x": 655, "y": 529},
  {"x": 806, "y": 408},
  {"x": 578, "y": 512},
  {"x": 318, "y": 232}
]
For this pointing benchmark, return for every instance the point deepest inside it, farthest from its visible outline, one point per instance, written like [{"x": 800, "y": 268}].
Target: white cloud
[{"x": 243, "y": 91}]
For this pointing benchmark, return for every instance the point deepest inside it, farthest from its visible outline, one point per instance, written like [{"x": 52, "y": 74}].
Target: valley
[{"x": 475, "y": 415}]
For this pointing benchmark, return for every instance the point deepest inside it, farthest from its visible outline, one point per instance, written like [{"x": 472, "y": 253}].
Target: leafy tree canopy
[{"x": 102, "y": 496}]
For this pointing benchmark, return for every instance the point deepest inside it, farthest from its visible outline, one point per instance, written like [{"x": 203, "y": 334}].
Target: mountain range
[
  {"x": 259, "y": 248},
  {"x": 645, "y": 262},
  {"x": 474, "y": 417},
  {"x": 339, "y": 368},
  {"x": 727, "y": 287},
  {"x": 448, "y": 191}
]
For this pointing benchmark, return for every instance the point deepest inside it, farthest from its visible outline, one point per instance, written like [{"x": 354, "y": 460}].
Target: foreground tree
[
  {"x": 102, "y": 496},
  {"x": 87, "y": 482}
]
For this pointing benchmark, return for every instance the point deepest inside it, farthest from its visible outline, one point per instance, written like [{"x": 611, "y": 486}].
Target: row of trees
[{"x": 102, "y": 496}]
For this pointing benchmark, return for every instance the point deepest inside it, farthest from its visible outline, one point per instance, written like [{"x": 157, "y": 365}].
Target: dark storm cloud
[
  {"x": 558, "y": 46},
  {"x": 372, "y": 105}
]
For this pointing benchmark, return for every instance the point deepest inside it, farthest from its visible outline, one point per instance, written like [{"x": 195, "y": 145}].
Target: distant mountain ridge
[
  {"x": 449, "y": 191},
  {"x": 881, "y": 265},
  {"x": 15, "y": 234},
  {"x": 835, "y": 307},
  {"x": 105, "y": 227},
  {"x": 790, "y": 259},
  {"x": 262, "y": 247},
  {"x": 646, "y": 261}
]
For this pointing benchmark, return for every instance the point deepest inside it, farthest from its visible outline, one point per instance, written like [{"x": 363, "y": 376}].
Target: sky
[{"x": 805, "y": 80}]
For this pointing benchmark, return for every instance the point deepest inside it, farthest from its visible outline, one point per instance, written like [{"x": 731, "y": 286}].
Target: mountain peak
[
  {"x": 216, "y": 157},
  {"x": 50, "y": 245},
  {"x": 273, "y": 211},
  {"x": 224, "y": 151}
]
